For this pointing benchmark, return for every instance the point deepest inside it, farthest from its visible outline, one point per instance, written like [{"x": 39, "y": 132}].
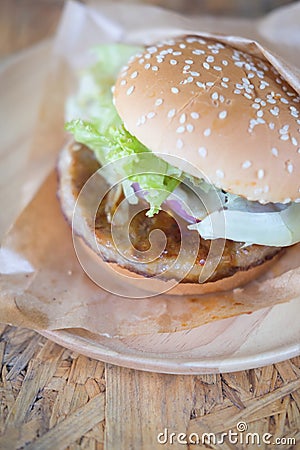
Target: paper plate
[{"x": 263, "y": 337}]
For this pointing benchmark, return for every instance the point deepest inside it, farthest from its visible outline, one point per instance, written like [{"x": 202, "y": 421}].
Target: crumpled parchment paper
[{"x": 42, "y": 285}]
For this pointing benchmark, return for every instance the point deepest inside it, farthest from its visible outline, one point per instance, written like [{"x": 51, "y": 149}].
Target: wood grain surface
[{"x": 52, "y": 398}]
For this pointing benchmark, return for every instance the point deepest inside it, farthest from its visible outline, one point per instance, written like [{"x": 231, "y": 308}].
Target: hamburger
[{"x": 203, "y": 140}]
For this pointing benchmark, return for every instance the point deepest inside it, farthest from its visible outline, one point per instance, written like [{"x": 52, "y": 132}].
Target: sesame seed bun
[{"x": 228, "y": 113}]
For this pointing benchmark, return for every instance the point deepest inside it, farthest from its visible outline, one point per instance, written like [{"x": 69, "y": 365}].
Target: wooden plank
[
  {"x": 228, "y": 418},
  {"x": 140, "y": 405},
  {"x": 36, "y": 378},
  {"x": 73, "y": 427}
]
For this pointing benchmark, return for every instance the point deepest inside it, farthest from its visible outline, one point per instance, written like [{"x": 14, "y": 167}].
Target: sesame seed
[
  {"x": 274, "y": 111},
  {"x": 200, "y": 85},
  {"x": 294, "y": 141},
  {"x": 284, "y": 137},
  {"x": 260, "y": 113},
  {"x": 206, "y": 65},
  {"x": 289, "y": 167},
  {"x": 210, "y": 59},
  {"x": 207, "y": 132},
  {"x": 130, "y": 90},
  {"x": 198, "y": 52},
  {"x": 171, "y": 113},
  {"x": 294, "y": 114},
  {"x": 246, "y": 164},
  {"x": 179, "y": 143},
  {"x": 175, "y": 90},
  {"x": 271, "y": 125},
  {"x": 284, "y": 129},
  {"x": 173, "y": 62},
  {"x": 189, "y": 61},
  {"x": 182, "y": 118},
  {"x": 220, "y": 173},
  {"x": 195, "y": 74},
  {"x": 218, "y": 68},
  {"x": 177, "y": 53},
  {"x": 202, "y": 152},
  {"x": 194, "y": 115},
  {"x": 274, "y": 151},
  {"x": 134, "y": 74},
  {"x": 190, "y": 128},
  {"x": 224, "y": 62},
  {"x": 182, "y": 45},
  {"x": 155, "y": 68},
  {"x": 158, "y": 102},
  {"x": 180, "y": 129},
  {"x": 226, "y": 79},
  {"x": 152, "y": 49},
  {"x": 215, "y": 96},
  {"x": 147, "y": 66},
  {"x": 151, "y": 114},
  {"x": 123, "y": 82},
  {"x": 222, "y": 114},
  {"x": 260, "y": 174}
]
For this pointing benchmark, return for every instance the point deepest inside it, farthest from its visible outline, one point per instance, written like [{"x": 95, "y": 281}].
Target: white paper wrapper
[{"x": 42, "y": 285}]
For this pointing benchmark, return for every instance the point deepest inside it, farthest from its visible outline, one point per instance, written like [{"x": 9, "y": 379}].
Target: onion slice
[{"x": 278, "y": 229}]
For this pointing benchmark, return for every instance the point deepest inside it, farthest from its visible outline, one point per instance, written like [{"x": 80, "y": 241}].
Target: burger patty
[{"x": 182, "y": 254}]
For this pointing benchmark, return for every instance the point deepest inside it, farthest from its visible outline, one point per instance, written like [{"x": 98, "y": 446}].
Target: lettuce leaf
[{"x": 94, "y": 121}]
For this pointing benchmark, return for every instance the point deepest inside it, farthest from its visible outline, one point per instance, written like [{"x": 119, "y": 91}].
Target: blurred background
[{"x": 24, "y": 22}]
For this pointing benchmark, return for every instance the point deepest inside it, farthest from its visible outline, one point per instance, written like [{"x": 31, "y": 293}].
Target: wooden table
[{"x": 52, "y": 398}]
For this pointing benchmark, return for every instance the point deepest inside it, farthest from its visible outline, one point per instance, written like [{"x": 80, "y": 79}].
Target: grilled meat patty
[{"x": 130, "y": 243}]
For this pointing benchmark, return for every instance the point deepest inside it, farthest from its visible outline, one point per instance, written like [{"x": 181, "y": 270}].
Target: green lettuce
[{"x": 94, "y": 121}]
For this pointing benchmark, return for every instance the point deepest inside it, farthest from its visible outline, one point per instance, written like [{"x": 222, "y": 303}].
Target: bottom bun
[{"x": 239, "y": 279}]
